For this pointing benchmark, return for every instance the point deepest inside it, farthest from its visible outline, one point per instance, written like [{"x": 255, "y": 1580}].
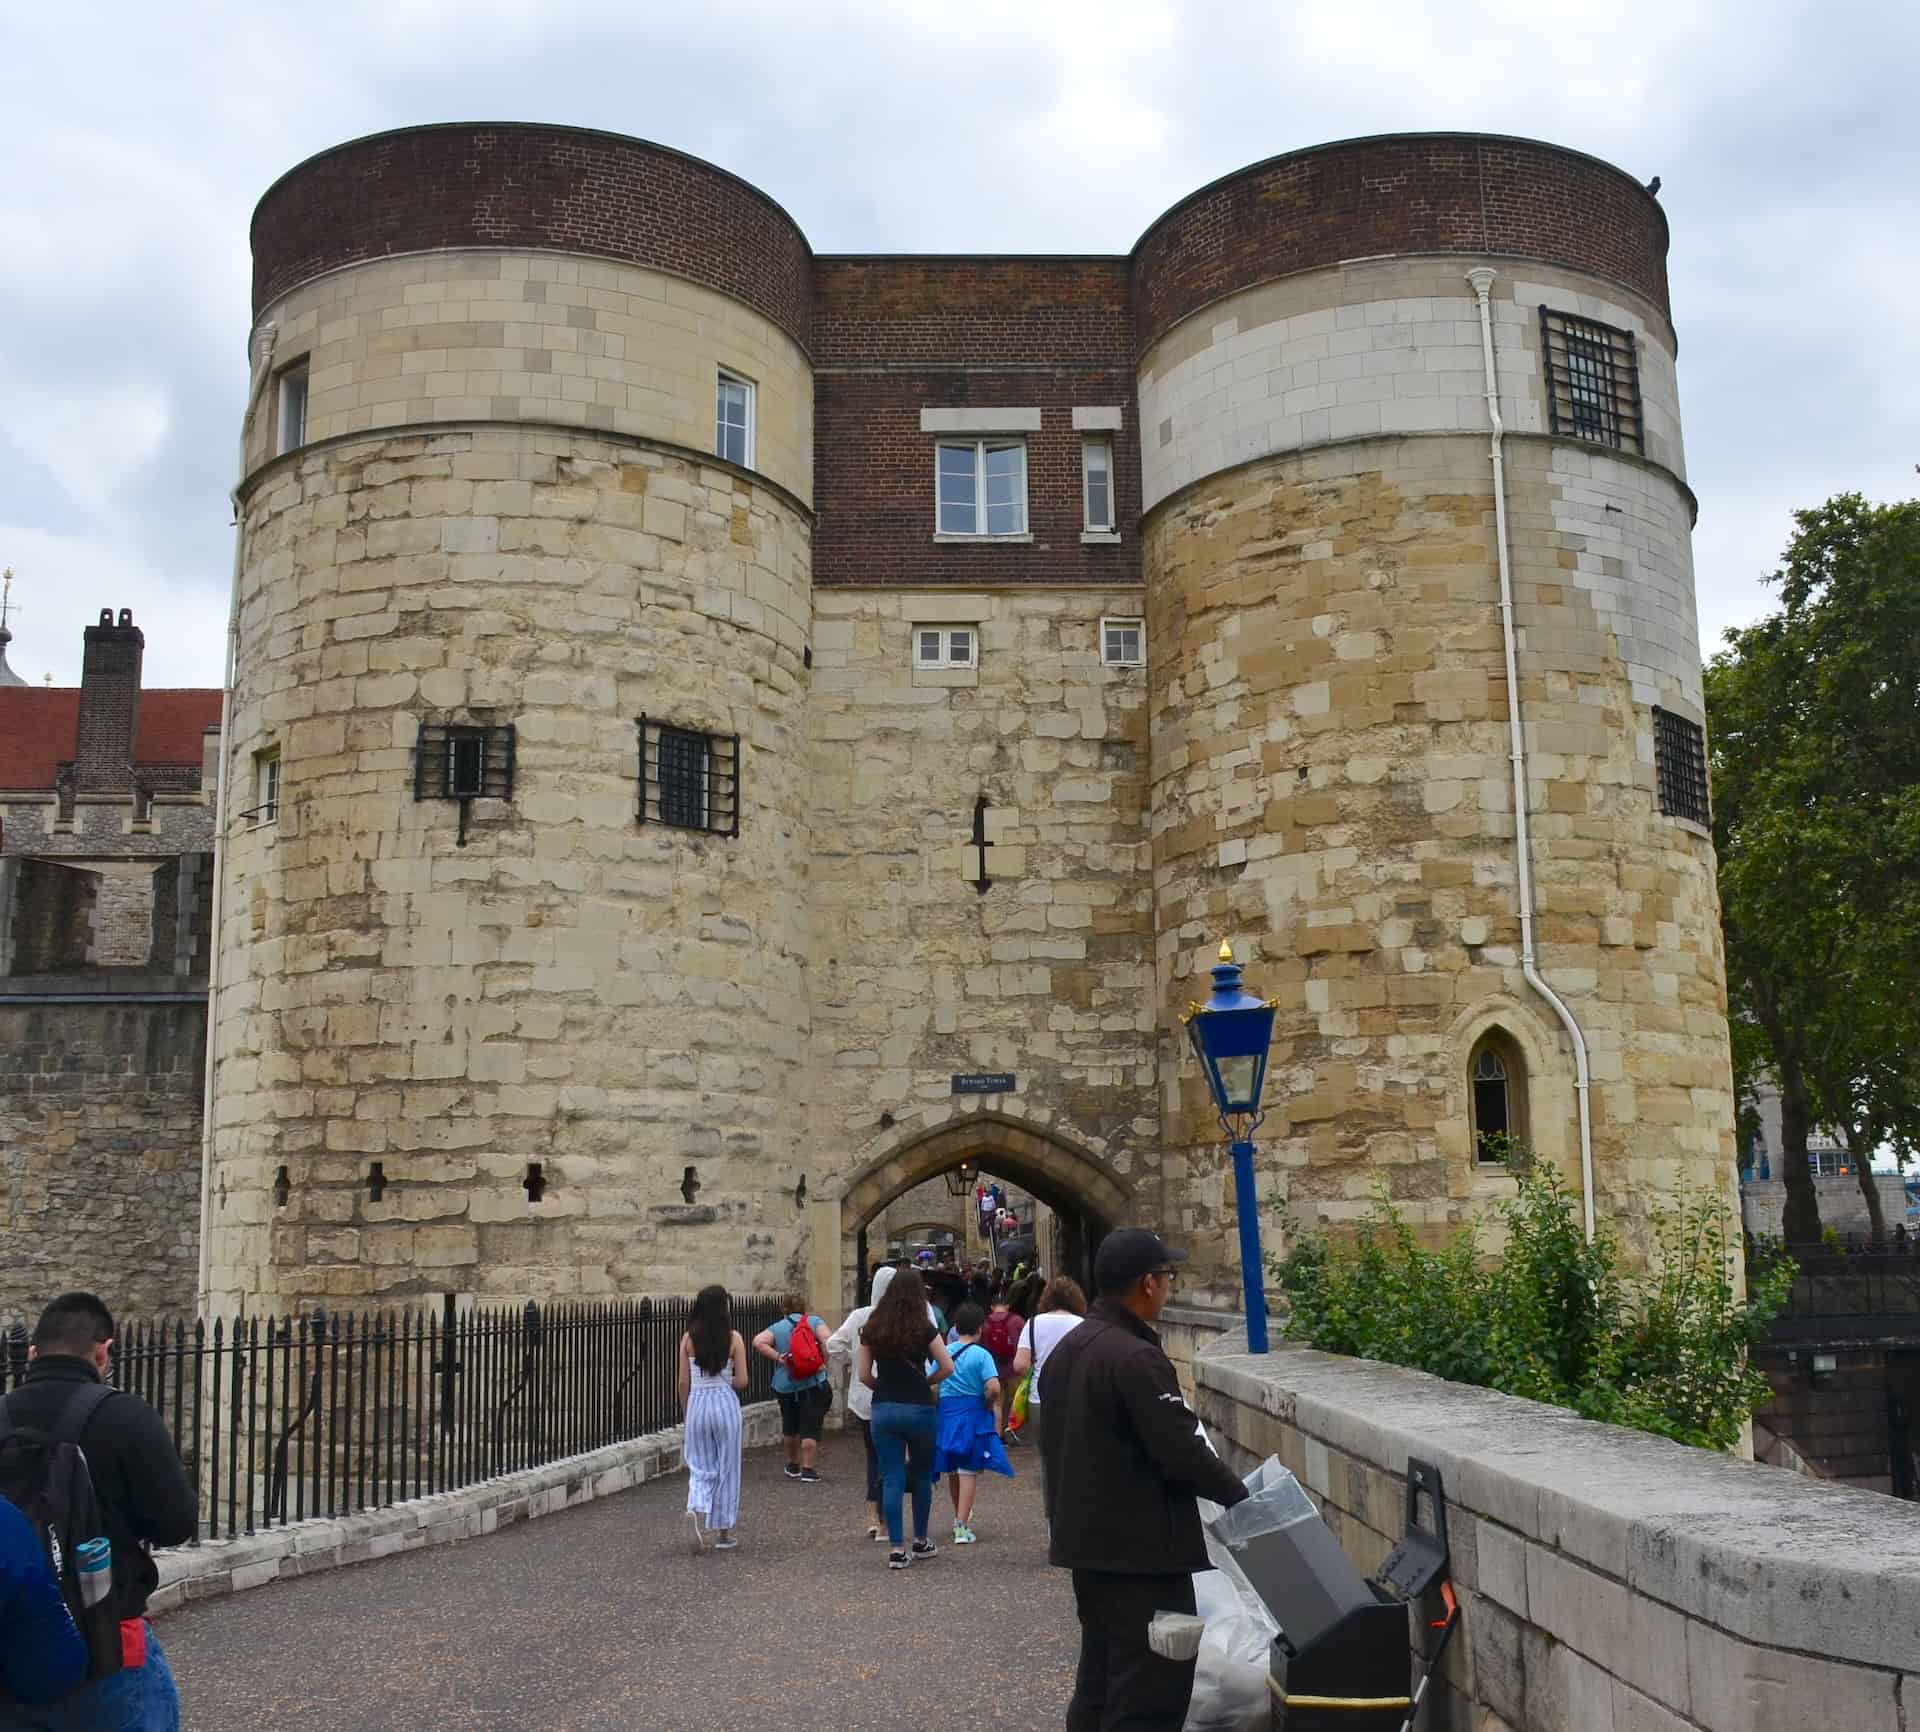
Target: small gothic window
[{"x": 1496, "y": 1076}]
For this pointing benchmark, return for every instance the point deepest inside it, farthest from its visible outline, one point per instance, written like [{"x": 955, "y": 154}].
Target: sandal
[{"x": 876, "y": 1534}]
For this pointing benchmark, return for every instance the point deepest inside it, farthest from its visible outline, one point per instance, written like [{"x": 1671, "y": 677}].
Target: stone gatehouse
[{"x": 717, "y": 697}]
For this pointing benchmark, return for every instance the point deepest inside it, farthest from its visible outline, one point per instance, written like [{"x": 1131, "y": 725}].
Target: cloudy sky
[{"x": 136, "y": 140}]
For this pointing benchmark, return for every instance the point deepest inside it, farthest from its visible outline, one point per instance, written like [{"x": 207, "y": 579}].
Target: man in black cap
[{"x": 1126, "y": 1461}]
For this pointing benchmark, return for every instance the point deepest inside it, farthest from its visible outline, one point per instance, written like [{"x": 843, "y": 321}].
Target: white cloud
[{"x": 138, "y": 139}]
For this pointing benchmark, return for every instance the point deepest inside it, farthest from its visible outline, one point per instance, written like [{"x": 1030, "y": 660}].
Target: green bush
[{"x": 1552, "y": 1318}]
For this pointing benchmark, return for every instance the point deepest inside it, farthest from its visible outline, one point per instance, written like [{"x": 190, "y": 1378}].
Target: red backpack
[
  {"x": 1001, "y": 1337},
  {"x": 804, "y": 1357}
]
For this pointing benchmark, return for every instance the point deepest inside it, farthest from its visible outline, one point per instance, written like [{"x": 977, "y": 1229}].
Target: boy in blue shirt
[{"x": 967, "y": 1439}]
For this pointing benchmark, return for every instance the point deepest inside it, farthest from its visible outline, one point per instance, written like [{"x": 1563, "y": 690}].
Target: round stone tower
[
  {"x": 1332, "y": 761},
  {"x": 511, "y": 938}
]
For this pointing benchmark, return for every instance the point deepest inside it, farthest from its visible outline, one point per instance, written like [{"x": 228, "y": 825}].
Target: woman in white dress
[{"x": 713, "y": 1370}]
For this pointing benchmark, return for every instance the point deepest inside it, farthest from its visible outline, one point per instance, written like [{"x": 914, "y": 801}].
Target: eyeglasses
[{"x": 1167, "y": 1275}]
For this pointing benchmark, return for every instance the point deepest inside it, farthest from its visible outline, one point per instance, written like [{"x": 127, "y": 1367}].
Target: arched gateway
[{"x": 1088, "y": 1197}]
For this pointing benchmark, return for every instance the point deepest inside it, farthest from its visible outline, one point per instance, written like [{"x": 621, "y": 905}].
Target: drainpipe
[
  {"x": 263, "y": 343},
  {"x": 1482, "y": 281}
]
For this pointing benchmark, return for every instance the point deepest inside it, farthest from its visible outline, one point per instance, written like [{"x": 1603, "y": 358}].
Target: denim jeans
[
  {"x": 903, "y": 1440},
  {"x": 140, "y": 1701}
]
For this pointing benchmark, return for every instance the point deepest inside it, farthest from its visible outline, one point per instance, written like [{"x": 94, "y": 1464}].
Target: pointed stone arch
[{"x": 1084, "y": 1191}]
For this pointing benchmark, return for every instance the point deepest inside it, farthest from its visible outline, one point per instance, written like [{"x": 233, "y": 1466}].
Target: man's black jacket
[
  {"x": 1123, "y": 1451},
  {"x": 145, "y": 1496}
]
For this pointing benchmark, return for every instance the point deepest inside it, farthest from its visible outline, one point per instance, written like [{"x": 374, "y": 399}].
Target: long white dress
[{"x": 712, "y": 1446}]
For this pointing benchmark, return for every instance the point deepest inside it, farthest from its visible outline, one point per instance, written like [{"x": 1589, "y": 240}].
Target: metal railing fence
[{"x": 324, "y": 1414}]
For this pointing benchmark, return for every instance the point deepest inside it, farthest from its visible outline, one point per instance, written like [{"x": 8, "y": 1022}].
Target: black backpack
[{"x": 46, "y": 1479}]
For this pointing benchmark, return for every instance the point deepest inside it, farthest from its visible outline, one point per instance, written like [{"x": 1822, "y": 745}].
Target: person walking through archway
[
  {"x": 844, "y": 1343},
  {"x": 713, "y": 1371},
  {"x": 1061, "y": 1307},
  {"x": 967, "y": 1431},
  {"x": 804, "y": 1399},
  {"x": 896, "y": 1343},
  {"x": 1126, "y": 1464}
]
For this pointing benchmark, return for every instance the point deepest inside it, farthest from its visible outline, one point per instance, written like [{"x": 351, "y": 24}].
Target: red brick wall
[
  {"x": 895, "y": 335},
  {"x": 1441, "y": 192},
  {"x": 531, "y": 186}
]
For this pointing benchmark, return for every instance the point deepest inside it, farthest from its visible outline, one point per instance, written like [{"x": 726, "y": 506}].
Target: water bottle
[{"x": 93, "y": 1569}]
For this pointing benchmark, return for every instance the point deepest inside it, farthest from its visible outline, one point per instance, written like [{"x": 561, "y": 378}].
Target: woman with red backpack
[{"x": 797, "y": 1345}]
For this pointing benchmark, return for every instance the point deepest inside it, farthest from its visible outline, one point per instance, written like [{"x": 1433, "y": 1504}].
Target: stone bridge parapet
[{"x": 1609, "y": 1581}]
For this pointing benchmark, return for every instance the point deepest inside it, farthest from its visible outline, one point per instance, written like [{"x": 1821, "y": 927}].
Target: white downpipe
[
  {"x": 263, "y": 344},
  {"x": 1482, "y": 281}
]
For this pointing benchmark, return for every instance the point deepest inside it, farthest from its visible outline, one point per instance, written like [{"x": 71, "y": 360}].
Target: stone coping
[
  {"x": 1766, "y": 1555},
  {"x": 216, "y": 1567}
]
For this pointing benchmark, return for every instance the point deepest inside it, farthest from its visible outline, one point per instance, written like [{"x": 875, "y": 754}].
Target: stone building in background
[
  {"x": 106, "y": 848},
  {"x": 733, "y": 732}
]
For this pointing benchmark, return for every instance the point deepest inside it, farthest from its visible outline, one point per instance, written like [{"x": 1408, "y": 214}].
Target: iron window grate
[
  {"x": 463, "y": 761},
  {"x": 1593, "y": 380},
  {"x": 689, "y": 779},
  {"x": 1680, "y": 767}
]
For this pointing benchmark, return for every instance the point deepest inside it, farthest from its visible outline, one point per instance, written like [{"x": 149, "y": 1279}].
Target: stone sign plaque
[{"x": 986, "y": 1082}]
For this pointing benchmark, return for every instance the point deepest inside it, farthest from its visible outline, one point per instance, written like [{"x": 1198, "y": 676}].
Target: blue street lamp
[{"x": 1231, "y": 1033}]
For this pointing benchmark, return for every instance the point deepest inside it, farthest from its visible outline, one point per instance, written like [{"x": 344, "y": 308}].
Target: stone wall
[
  {"x": 621, "y": 1003},
  {"x": 1609, "y": 1581},
  {"x": 510, "y": 336},
  {"x": 1333, "y": 791},
  {"x": 100, "y": 1117},
  {"x": 920, "y": 975}
]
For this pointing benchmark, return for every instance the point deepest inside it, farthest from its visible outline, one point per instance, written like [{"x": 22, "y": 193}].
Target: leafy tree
[
  {"x": 1552, "y": 1318},
  {"x": 1814, "y": 716}
]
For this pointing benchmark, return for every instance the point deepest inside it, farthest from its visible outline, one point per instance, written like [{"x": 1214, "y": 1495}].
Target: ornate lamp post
[{"x": 1231, "y": 1033}]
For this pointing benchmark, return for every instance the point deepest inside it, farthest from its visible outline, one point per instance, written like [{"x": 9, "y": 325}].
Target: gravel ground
[{"x": 600, "y": 1618}]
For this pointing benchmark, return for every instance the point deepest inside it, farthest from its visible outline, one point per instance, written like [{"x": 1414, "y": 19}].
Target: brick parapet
[
  {"x": 560, "y": 188},
  {"x": 1399, "y": 194}
]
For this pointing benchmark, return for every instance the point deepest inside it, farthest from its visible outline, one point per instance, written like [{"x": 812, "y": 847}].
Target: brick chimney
[{"x": 109, "y": 702}]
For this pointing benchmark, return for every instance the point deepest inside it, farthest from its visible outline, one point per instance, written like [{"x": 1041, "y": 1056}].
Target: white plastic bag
[
  {"x": 1230, "y": 1674},
  {"x": 1230, "y": 1678}
]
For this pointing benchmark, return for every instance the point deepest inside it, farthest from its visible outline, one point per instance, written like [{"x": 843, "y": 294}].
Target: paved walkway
[{"x": 600, "y": 1619}]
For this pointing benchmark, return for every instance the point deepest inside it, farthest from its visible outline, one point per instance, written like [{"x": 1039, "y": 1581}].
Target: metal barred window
[
  {"x": 1680, "y": 767},
  {"x": 689, "y": 779},
  {"x": 1593, "y": 380},
  {"x": 463, "y": 761}
]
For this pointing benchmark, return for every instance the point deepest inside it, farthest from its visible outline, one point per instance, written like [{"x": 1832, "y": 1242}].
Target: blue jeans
[
  {"x": 903, "y": 1440},
  {"x": 141, "y": 1701}
]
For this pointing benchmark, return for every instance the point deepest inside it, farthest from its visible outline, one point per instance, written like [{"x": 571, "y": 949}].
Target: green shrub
[{"x": 1552, "y": 1318}]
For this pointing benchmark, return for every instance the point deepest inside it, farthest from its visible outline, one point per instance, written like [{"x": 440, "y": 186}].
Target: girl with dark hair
[
  {"x": 713, "y": 1371},
  {"x": 896, "y": 1343}
]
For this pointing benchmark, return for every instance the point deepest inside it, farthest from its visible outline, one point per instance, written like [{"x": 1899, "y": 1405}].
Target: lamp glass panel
[{"x": 1239, "y": 1077}]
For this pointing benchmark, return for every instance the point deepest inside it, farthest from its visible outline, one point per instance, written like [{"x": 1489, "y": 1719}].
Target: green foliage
[
  {"x": 1814, "y": 728},
  {"x": 1553, "y": 1318}
]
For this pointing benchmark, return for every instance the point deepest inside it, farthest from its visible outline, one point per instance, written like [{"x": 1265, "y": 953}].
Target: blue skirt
[{"x": 964, "y": 1440}]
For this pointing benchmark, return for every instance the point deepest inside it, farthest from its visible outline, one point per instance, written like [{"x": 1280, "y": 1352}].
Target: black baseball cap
[{"x": 1125, "y": 1256}]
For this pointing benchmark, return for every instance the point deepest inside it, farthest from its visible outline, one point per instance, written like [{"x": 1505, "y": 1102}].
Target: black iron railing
[
  {"x": 1866, "y": 1284},
  {"x": 325, "y": 1414}
]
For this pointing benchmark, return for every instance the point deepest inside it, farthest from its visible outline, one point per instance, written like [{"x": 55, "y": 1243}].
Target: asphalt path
[{"x": 601, "y": 1618}]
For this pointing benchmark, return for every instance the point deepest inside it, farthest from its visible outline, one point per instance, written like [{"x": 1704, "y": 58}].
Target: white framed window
[
  {"x": 1123, "y": 643},
  {"x": 1096, "y": 484},
  {"x": 981, "y": 487},
  {"x": 266, "y": 786},
  {"x": 293, "y": 408},
  {"x": 945, "y": 646},
  {"x": 733, "y": 419}
]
